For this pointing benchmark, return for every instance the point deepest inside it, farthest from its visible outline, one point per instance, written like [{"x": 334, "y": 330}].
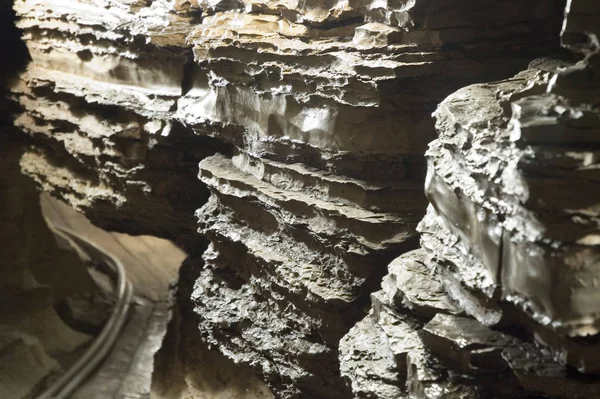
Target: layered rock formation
[
  {"x": 517, "y": 211},
  {"x": 320, "y": 113},
  {"x": 35, "y": 343},
  {"x": 508, "y": 245},
  {"x": 324, "y": 186},
  {"x": 99, "y": 98}
]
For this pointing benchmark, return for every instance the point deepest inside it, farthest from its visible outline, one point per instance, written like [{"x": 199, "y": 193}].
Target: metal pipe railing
[{"x": 95, "y": 354}]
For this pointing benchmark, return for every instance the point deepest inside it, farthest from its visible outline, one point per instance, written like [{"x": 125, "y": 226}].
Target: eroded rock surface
[
  {"x": 322, "y": 190},
  {"x": 504, "y": 179},
  {"x": 309, "y": 121},
  {"x": 508, "y": 239}
]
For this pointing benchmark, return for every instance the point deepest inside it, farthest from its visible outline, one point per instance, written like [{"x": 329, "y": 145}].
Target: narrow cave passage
[
  {"x": 151, "y": 263},
  {"x": 300, "y": 200},
  {"x": 77, "y": 299},
  {"x": 143, "y": 360}
]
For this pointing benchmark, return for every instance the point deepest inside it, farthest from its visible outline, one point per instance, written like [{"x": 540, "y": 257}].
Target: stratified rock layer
[
  {"x": 319, "y": 113},
  {"x": 398, "y": 351},
  {"x": 506, "y": 181},
  {"x": 99, "y": 98},
  {"x": 509, "y": 239},
  {"x": 324, "y": 186}
]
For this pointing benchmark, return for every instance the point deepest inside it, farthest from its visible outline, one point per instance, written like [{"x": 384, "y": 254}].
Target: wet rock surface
[
  {"x": 370, "y": 361},
  {"x": 322, "y": 190},
  {"x": 508, "y": 238},
  {"x": 308, "y": 121},
  {"x": 395, "y": 353},
  {"x": 320, "y": 114},
  {"x": 411, "y": 284},
  {"x": 503, "y": 178},
  {"x": 465, "y": 342}
]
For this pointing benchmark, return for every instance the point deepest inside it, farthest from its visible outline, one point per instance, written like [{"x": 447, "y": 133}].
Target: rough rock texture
[
  {"x": 116, "y": 90},
  {"x": 99, "y": 98},
  {"x": 509, "y": 239},
  {"x": 323, "y": 189},
  {"x": 398, "y": 351},
  {"x": 186, "y": 367},
  {"x": 320, "y": 113},
  {"x": 504, "y": 182}
]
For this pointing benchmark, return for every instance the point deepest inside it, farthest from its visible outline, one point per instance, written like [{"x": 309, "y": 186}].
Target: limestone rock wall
[
  {"x": 536, "y": 240},
  {"x": 508, "y": 259},
  {"x": 324, "y": 186},
  {"x": 309, "y": 121},
  {"x": 99, "y": 98}
]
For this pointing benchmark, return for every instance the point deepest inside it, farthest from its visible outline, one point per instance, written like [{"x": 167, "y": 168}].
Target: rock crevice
[{"x": 309, "y": 121}]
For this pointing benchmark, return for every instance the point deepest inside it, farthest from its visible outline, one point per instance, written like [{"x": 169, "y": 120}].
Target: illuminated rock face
[
  {"x": 507, "y": 184},
  {"x": 509, "y": 239},
  {"x": 309, "y": 121},
  {"x": 324, "y": 185}
]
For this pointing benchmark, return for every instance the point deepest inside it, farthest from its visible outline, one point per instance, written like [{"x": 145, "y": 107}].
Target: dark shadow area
[{"x": 16, "y": 58}]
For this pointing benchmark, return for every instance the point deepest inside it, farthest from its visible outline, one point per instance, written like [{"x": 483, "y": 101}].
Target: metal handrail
[{"x": 104, "y": 342}]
